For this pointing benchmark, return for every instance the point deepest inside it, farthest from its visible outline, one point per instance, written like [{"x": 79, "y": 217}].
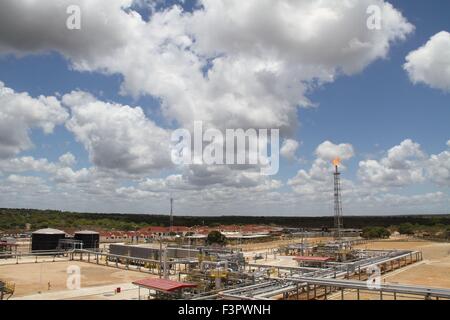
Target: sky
[{"x": 89, "y": 100}]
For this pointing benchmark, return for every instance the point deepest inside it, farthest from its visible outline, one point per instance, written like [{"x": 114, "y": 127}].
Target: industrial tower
[
  {"x": 338, "y": 224},
  {"x": 171, "y": 214}
]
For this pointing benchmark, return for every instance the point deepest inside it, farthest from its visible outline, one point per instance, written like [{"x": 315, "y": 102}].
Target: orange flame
[{"x": 337, "y": 162}]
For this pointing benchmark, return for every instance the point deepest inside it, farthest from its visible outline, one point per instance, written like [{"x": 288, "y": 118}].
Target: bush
[
  {"x": 215, "y": 237},
  {"x": 376, "y": 233},
  {"x": 406, "y": 228}
]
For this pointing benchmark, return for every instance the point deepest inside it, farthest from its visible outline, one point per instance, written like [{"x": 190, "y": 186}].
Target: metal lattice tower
[
  {"x": 171, "y": 214},
  {"x": 338, "y": 223}
]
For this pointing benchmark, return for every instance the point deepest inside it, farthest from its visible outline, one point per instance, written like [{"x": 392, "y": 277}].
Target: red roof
[
  {"x": 163, "y": 284},
  {"x": 313, "y": 259},
  {"x": 164, "y": 229},
  {"x": 180, "y": 229}
]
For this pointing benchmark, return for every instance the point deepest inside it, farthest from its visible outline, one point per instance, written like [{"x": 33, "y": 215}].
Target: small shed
[{"x": 163, "y": 288}]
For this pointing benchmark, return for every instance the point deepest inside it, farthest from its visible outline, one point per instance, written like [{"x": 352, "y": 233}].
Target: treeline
[
  {"x": 432, "y": 231},
  {"x": 16, "y": 219}
]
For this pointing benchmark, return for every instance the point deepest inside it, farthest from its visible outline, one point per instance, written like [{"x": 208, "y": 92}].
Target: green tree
[
  {"x": 375, "y": 233},
  {"x": 406, "y": 228},
  {"x": 215, "y": 237}
]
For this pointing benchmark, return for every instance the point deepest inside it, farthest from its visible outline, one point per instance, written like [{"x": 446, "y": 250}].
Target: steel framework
[
  {"x": 171, "y": 214},
  {"x": 338, "y": 223}
]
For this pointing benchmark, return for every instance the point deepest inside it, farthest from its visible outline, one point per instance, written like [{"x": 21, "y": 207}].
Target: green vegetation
[
  {"x": 376, "y": 233},
  {"x": 14, "y": 220},
  {"x": 437, "y": 230},
  {"x": 406, "y": 228},
  {"x": 215, "y": 237}
]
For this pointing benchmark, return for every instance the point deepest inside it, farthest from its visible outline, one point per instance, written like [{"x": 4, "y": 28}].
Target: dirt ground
[
  {"x": 33, "y": 278},
  {"x": 433, "y": 271}
]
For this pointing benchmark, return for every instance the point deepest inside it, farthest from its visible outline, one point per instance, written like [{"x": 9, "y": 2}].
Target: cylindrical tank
[
  {"x": 46, "y": 239},
  {"x": 90, "y": 239}
]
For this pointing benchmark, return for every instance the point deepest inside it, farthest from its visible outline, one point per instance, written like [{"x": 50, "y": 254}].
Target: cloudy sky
[{"x": 86, "y": 115}]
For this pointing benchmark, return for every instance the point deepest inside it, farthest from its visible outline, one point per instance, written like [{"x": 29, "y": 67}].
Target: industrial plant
[{"x": 212, "y": 263}]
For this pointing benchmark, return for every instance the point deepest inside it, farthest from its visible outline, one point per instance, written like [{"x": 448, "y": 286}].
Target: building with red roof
[{"x": 163, "y": 288}]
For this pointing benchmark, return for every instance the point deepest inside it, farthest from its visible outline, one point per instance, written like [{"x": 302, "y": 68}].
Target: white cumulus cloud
[
  {"x": 228, "y": 63},
  {"x": 19, "y": 113},
  {"x": 430, "y": 64},
  {"x": 403, "y": 165},
  {"x": 289, "y": 148},
  {"x": 117, "y": 136},
  {"x": 329, "y": 151}
]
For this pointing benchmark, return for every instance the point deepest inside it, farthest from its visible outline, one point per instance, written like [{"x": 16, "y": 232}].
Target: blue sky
[{"x": 372, "y": 110}]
